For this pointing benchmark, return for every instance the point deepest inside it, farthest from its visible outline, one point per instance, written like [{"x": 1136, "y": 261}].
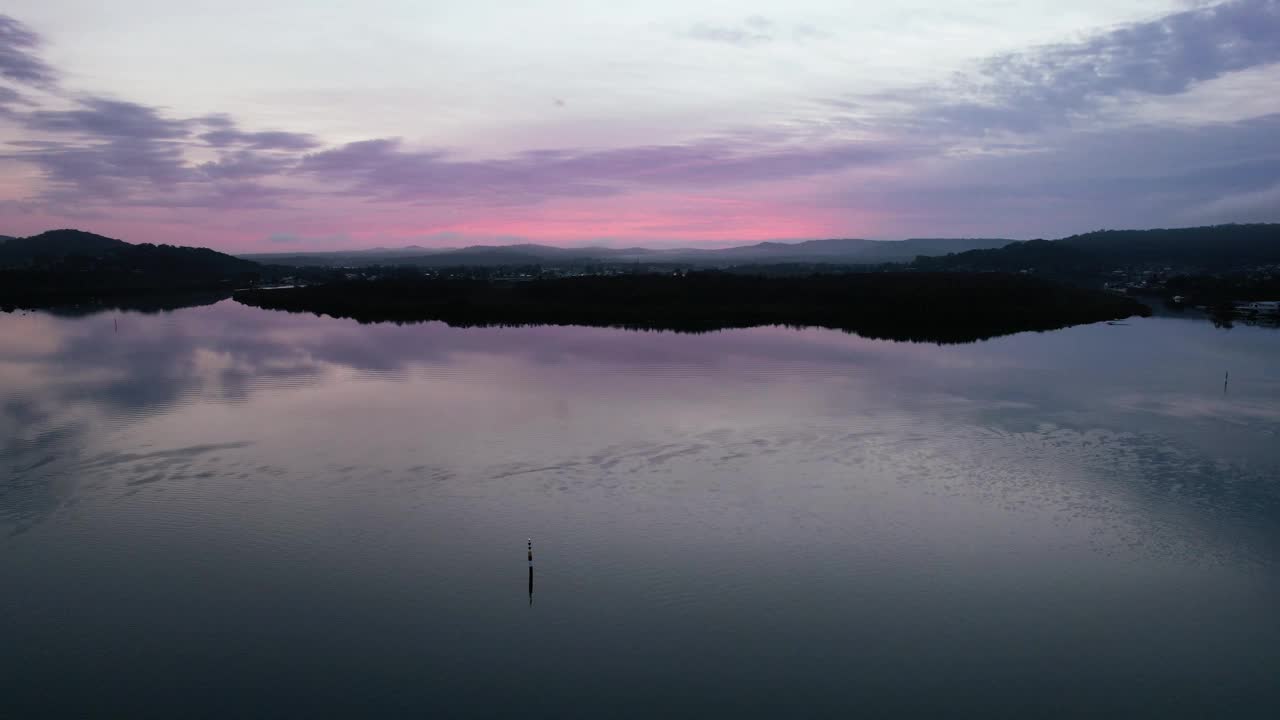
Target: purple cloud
[
  {"x": 104, "y": 170},
  {"x": 1142, "y": 176},
  {"x": 1031, "y": 90},
  {"x": 218, "y": 121},
  {"x": 245, "y": 164},
  {"x": 124, "y": 152},
  {"x": 101, "y": 117},
  {"x": 383, "y": 169},
  {"x": 150, "y": 173},
  {"x": 8, "y": 97},
  {"x": 235, "y": 195},
  {"x": 120, "y": 149},
  {"x": 269, "y": 140},
  {"x": 18, "y": 61}
]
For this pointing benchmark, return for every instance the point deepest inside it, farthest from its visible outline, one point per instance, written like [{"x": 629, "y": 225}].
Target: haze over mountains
[
  {"x": 1212, "y": 248},
  {"x": 842, "y": 251}
]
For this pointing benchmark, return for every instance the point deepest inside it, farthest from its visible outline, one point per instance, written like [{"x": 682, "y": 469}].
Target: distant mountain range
[
  {"x": 842, "y": 251},
  {"x": 1209, "y": 248},
  {"x": 92, "y": 258}
]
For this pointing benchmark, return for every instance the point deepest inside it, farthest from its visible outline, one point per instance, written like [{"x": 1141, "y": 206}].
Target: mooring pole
[{"x": 531, "y": 571}]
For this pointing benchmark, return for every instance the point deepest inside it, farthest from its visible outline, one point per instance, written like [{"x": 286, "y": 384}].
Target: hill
[
  {"x": 55, "y": 245},
  {"x": 70, "y": 265},
  {"x": 1217, "y": 248},
  {"x": 1214, "y": 247},
  {"x": 76, "y": 250}
]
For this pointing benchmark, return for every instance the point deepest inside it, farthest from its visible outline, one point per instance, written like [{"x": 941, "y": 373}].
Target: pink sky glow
[{"x": 279, "y": 127}]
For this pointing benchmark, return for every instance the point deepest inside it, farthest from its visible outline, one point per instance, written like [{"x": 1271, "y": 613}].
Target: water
[{"x": 223, "y": 511}]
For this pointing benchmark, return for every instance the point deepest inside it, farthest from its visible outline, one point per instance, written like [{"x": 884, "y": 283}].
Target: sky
[{"x": 305, "y": 125}]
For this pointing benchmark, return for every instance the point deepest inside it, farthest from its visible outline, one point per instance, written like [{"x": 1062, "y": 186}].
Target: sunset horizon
[
  {"x": 679, "y": 359},
  {"x": 297, "y": 128}
]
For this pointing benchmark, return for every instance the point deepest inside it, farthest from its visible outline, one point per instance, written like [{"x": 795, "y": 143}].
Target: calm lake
[{"x": 228, "y": 512}]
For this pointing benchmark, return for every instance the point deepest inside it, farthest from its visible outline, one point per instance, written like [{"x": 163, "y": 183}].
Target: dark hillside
[
  {"x": 1218, "y": 248},
  {"x": 54, "y": 245},
  {"x": 74, "y": 266},
  {"x": 1212, "y": 247}
]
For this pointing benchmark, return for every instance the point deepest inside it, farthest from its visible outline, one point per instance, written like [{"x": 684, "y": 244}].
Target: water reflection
[
  {"x": 1123, "y": 404},
  {"x": 726, "y": 498}
]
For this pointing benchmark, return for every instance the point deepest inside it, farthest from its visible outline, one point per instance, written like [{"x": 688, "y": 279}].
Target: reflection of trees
[
  {"x": 94, "y": 377},
  {"x": 145, "y": 303},
  {"x": 1228, "y": 318}
]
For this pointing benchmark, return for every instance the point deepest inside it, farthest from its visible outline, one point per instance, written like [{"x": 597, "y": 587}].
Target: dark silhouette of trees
[{"x": 935, "y": 307}]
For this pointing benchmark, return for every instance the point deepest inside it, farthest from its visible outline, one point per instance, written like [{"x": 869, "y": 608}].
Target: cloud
[
  {"x": 1075, "y": 181},
  {"x": 151, "y": 173},
  {"x": 107, "y": 170},
  {"x": 740, "y": 37},
  {"x": 384, "y": 169},
  {"x": 244, "y": 164},
  {"x": 804, "y": 32},
  {"x": 218, "y": 121},
  {"x": 130, "y": 154},
  {"x": 1251, "y": 206},
  {"x": 1049, "y": 85},
  {"x": 100, "y": 117},
  {"x": 18, "y": 60},
  {"x": 268, "y": 140},
  {"x": 219, "y": 196},
  {"x": 8, "y": 97},
  {"x": 752, "y": 31},
  {"x": 1011, "y": 146},
  {"x": 118, "y": 150},
  {"x": 126, "y": 153}
]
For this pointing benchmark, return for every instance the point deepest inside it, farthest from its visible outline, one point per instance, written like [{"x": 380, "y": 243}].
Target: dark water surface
[{"x": 229, "y": 512}]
